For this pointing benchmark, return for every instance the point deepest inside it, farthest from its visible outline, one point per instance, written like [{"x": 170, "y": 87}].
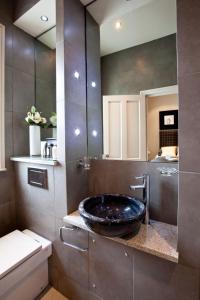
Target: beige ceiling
[
  {"x": 31, "y": 23},
  {"x": 142, "y": 21}
]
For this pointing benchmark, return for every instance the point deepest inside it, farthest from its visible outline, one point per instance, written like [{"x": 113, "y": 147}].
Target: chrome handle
[{"x": 68, "y": 244}]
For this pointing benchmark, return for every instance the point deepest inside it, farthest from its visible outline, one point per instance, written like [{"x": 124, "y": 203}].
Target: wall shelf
[{"x": 35, "y": 160}]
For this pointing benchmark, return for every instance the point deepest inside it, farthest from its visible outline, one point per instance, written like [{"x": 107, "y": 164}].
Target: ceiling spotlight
[
  {"x": 118, "y": 25},
  {"x": 44, "y": 18}
]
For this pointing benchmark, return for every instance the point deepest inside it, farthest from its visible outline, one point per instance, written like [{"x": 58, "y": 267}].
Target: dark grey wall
[
  {"x": 45, "y": 76},
  {"x": 71, "y": 184},
  {"x": 19, "y": 94},
  {"x": 94, "y": 100},
  {"x": 67, "y": 183},
  {"x": 147, "y": 66},
  {"x": 7, "y": 203},
  {"x": 21, "y": 6},
  {"x": 108, "y": 176},
  {"x": 189, "y": 137},
  {"x": 75, "y": 101}
]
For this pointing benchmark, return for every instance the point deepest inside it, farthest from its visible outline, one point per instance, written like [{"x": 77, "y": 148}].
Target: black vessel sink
[{"x": 112, "y": 215}]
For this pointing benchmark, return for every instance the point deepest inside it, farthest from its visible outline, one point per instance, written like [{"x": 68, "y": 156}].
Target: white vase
[
  {"x": 34, "y": 140},
  {"x": 55, "y": 133}
]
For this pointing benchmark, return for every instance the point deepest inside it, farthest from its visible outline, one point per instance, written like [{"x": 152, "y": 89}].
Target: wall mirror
[
  {"x": 133, "y": 112},
  {"x": 45, "y": 76},
  {"x": 40, "y": 23}
]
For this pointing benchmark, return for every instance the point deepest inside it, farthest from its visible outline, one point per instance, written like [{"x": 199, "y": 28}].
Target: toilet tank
[{"x": 23, "y": 265}]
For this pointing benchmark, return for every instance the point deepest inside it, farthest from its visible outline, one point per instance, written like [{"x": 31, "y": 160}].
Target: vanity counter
[
  {"x": 159, "y": 239},
  {"x": 35, "y": 160}
]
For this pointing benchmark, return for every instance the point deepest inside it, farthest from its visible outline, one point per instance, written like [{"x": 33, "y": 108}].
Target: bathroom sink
[{"x": 112, "y": 215}]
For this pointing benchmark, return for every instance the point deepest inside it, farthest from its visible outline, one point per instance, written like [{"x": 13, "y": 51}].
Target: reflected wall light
[
  {"x": 94, "y": 133},
  {"x": 77, "y": 132}
]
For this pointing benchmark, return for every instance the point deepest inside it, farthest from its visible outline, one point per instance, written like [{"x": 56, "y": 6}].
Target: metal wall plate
[{"x": 38, "y": 177}]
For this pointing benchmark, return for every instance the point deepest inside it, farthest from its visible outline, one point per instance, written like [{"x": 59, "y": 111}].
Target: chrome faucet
[{"x": 145, "y": 187}]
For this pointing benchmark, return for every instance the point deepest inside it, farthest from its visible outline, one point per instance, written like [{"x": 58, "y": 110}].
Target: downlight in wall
[
  {"x": 76, "y": 75},
  {"x": 77, "y": 132},
  {"x": 93, "y": 84},
  {"x": 94, "y": 133}
]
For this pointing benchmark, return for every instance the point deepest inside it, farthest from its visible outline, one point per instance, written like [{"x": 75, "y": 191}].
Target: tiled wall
[
  {"x": 94, "y": 100},
  {"x": 7, "y": 204},
  {"x": 147, "y": 66},
  {"x": 45, "y": 85},
  {"x": 75, "y": 100},
  {"x": 71, "y": 183},
  {"x": 108, "y": 176},
  {"x": 19, "y": 96},
  {"x": 189, "y": 139},
  {"x": 35, "y": 207}
]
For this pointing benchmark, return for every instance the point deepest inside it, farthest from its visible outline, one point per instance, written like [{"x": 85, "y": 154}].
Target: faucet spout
[
  {"x": 137, "y": 187},
  {"x": 145, "y": 187}
]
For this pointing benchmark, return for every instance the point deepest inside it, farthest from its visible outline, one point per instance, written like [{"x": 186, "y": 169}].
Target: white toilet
[{"x": 23, "y": 265}]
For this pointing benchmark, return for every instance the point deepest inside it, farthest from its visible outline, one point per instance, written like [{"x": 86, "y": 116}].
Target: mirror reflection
[
  {"x": 45, "y": 78},
  {"x": 139, "y": 79},
  {"x": 40, "y": 24}
]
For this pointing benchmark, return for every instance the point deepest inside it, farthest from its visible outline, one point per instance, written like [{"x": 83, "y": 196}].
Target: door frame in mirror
[{"x": 168, "y": 90}]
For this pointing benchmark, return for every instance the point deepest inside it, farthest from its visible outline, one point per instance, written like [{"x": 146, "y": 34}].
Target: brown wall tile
[
  {"x": 155, "y": 278},
  {"x": 189, "y": 106},
  {"x": 189, "y": 219},
  {"x": 189, "y": 89}
]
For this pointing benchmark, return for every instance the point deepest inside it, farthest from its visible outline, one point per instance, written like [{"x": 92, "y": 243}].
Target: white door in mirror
[{"x": 124, "y": 126}]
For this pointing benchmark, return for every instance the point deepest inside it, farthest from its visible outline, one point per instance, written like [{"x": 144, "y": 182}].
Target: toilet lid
[{"x": 15, "y": 248}]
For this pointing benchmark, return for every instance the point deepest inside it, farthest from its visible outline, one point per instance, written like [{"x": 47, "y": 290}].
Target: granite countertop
[
  {"x": 35, "y": 160},
  {"x": 159, "y": 239}
]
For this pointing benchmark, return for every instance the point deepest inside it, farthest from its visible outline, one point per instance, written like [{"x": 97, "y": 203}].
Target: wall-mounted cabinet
[
  {"x": 110, "y": 269},
  {"x": 113, "y": 271}
]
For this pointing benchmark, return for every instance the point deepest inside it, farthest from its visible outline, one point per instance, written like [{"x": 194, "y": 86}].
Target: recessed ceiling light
[
  {"x": 44, "y": 18},
  {"x": 118, "y": 25}
]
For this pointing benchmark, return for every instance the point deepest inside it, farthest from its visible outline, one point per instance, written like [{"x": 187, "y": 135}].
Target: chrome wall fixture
[{"x": 165, "y": 171}]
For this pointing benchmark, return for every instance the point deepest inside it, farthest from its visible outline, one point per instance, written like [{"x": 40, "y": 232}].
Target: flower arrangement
[
  {"x": 53, "y": 120},
  {"x": 35, "y": 118}
]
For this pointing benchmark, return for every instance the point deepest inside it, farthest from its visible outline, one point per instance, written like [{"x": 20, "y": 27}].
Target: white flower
[
  {"x": 44, "y": 120},
  {"x": 34, "y": 117},
  {"x": 53, "y": 120}
]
